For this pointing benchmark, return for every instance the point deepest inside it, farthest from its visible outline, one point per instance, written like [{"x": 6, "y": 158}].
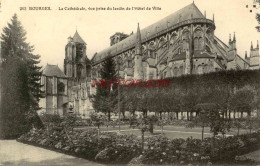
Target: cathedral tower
[
  {"x": 138, "y": 68},
  {"x": 232, "y": 52},
  {"x": 254, "y": 56},
  {"x": 75, "y": 58}
]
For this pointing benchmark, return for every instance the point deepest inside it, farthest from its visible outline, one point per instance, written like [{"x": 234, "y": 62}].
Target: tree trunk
[
  {"x": 98, "y": 134},
  {"x": 142, "y": 140},
  {"x": 123, "y": 113},
  {"x": 161, "y": 127},
  {"x": 177, "y": 115},
  {"x": 212, "y": 145},
  {"x": 144, "y": 113},
  {"x": 226, "y": 114},
  {"x": 108, "y": 115},
  {"x": 202, "y": 134}
]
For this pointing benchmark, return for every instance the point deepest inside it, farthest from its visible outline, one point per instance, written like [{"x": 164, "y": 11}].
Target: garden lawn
[{"x": 169, "y": 131}]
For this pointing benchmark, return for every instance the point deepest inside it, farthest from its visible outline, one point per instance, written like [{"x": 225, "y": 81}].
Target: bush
[{"x": 113, "y": 148}]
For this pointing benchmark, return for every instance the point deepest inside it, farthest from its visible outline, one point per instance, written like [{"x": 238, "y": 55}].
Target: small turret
[
  {"x": 229, "y": 38},
  {"x": 254, "y": 59},
  {"x": 138, "y": 41},
  {"x": 246, "y": 55},
  {"x": 69, "y": 39},
  {"x": 234, "y": 43},
  {"x": 138, "y": 68}
]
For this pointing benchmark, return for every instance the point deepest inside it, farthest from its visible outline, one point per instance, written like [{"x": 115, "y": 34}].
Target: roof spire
[
  {"x": 234, "y": 37},
  {"x": 138, "y": 41},
  {"x": 257, "y": 44},
  {"x": 229, "y": 38},
  {"x": 246, "y": 55},
  {"x": 77, "y": 39},
  {"x": 251, "y": 45}
]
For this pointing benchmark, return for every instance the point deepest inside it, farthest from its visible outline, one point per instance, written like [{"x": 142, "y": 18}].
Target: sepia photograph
[{"x": 129, "y": 82}]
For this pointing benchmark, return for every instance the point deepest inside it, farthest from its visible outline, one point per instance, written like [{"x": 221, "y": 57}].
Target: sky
[{"x": 48, "y": 30}]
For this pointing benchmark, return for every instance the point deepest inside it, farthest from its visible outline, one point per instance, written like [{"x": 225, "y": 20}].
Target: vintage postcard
[{"x": 129, "y": 82}]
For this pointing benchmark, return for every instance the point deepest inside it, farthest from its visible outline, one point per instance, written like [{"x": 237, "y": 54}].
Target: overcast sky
[{"x": 48, "y": 30}]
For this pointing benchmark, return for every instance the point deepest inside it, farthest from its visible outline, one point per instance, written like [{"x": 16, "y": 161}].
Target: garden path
[
  {"x": 15, "y": 153},
  {"x": 253, "y": 156}
]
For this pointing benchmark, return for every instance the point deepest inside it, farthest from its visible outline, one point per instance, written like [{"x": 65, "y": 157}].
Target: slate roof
[
  {"x": 77, "y": 39},
  {"x": 171, "y": 20},
  {"x": 197, "y": 54},
  {"x": 53, "y": 70}
]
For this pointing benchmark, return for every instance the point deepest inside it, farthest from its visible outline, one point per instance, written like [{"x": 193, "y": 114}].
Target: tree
[
  {"x": 21, "y": 81},
  {"x": 98, "y": 119},
  {"x": 105, "y": 99},
  {"x": 243, "y": 100}
]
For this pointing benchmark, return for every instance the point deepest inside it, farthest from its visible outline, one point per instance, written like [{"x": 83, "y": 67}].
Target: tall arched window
[
  {"x": 73, "y": 53},
  {"x": 129, "y": 63},
  {"x": 185, "y": 45},
  {"x": 180, "y": 71},
  {"x": 61, "y": 87},
  {"x": 175, "y": 71},
  {"x": 205, "y": 69},
  {"x": 200, "y": 43},
  {"x": 196, "y": 43},
  {"x": 200, "y": 69}
]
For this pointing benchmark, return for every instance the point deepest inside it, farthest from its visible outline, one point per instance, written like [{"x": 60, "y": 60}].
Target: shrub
[{"x": 114, "y": 148}]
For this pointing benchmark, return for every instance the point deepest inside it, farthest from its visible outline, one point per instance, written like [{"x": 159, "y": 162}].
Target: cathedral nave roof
[{"x": 189, "y": 12}]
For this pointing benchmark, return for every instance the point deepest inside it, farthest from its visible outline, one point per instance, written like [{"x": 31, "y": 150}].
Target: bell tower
[{"x": 75, "y": 58}]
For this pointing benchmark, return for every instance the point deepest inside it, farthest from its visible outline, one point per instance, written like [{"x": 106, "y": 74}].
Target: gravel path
[{"x": 15, "y": 153}]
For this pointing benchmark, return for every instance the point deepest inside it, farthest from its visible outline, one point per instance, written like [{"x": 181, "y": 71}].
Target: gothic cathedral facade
[{"x": 179, "y": 44}]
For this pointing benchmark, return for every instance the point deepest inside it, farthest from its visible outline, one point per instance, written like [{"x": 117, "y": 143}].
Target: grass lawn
[{"x": 169, "y": 131}]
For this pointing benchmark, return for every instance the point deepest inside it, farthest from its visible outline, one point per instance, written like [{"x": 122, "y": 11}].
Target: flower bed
[
  {"x": 113, "y": 148},
  {"x": 109, "y": 148}
]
